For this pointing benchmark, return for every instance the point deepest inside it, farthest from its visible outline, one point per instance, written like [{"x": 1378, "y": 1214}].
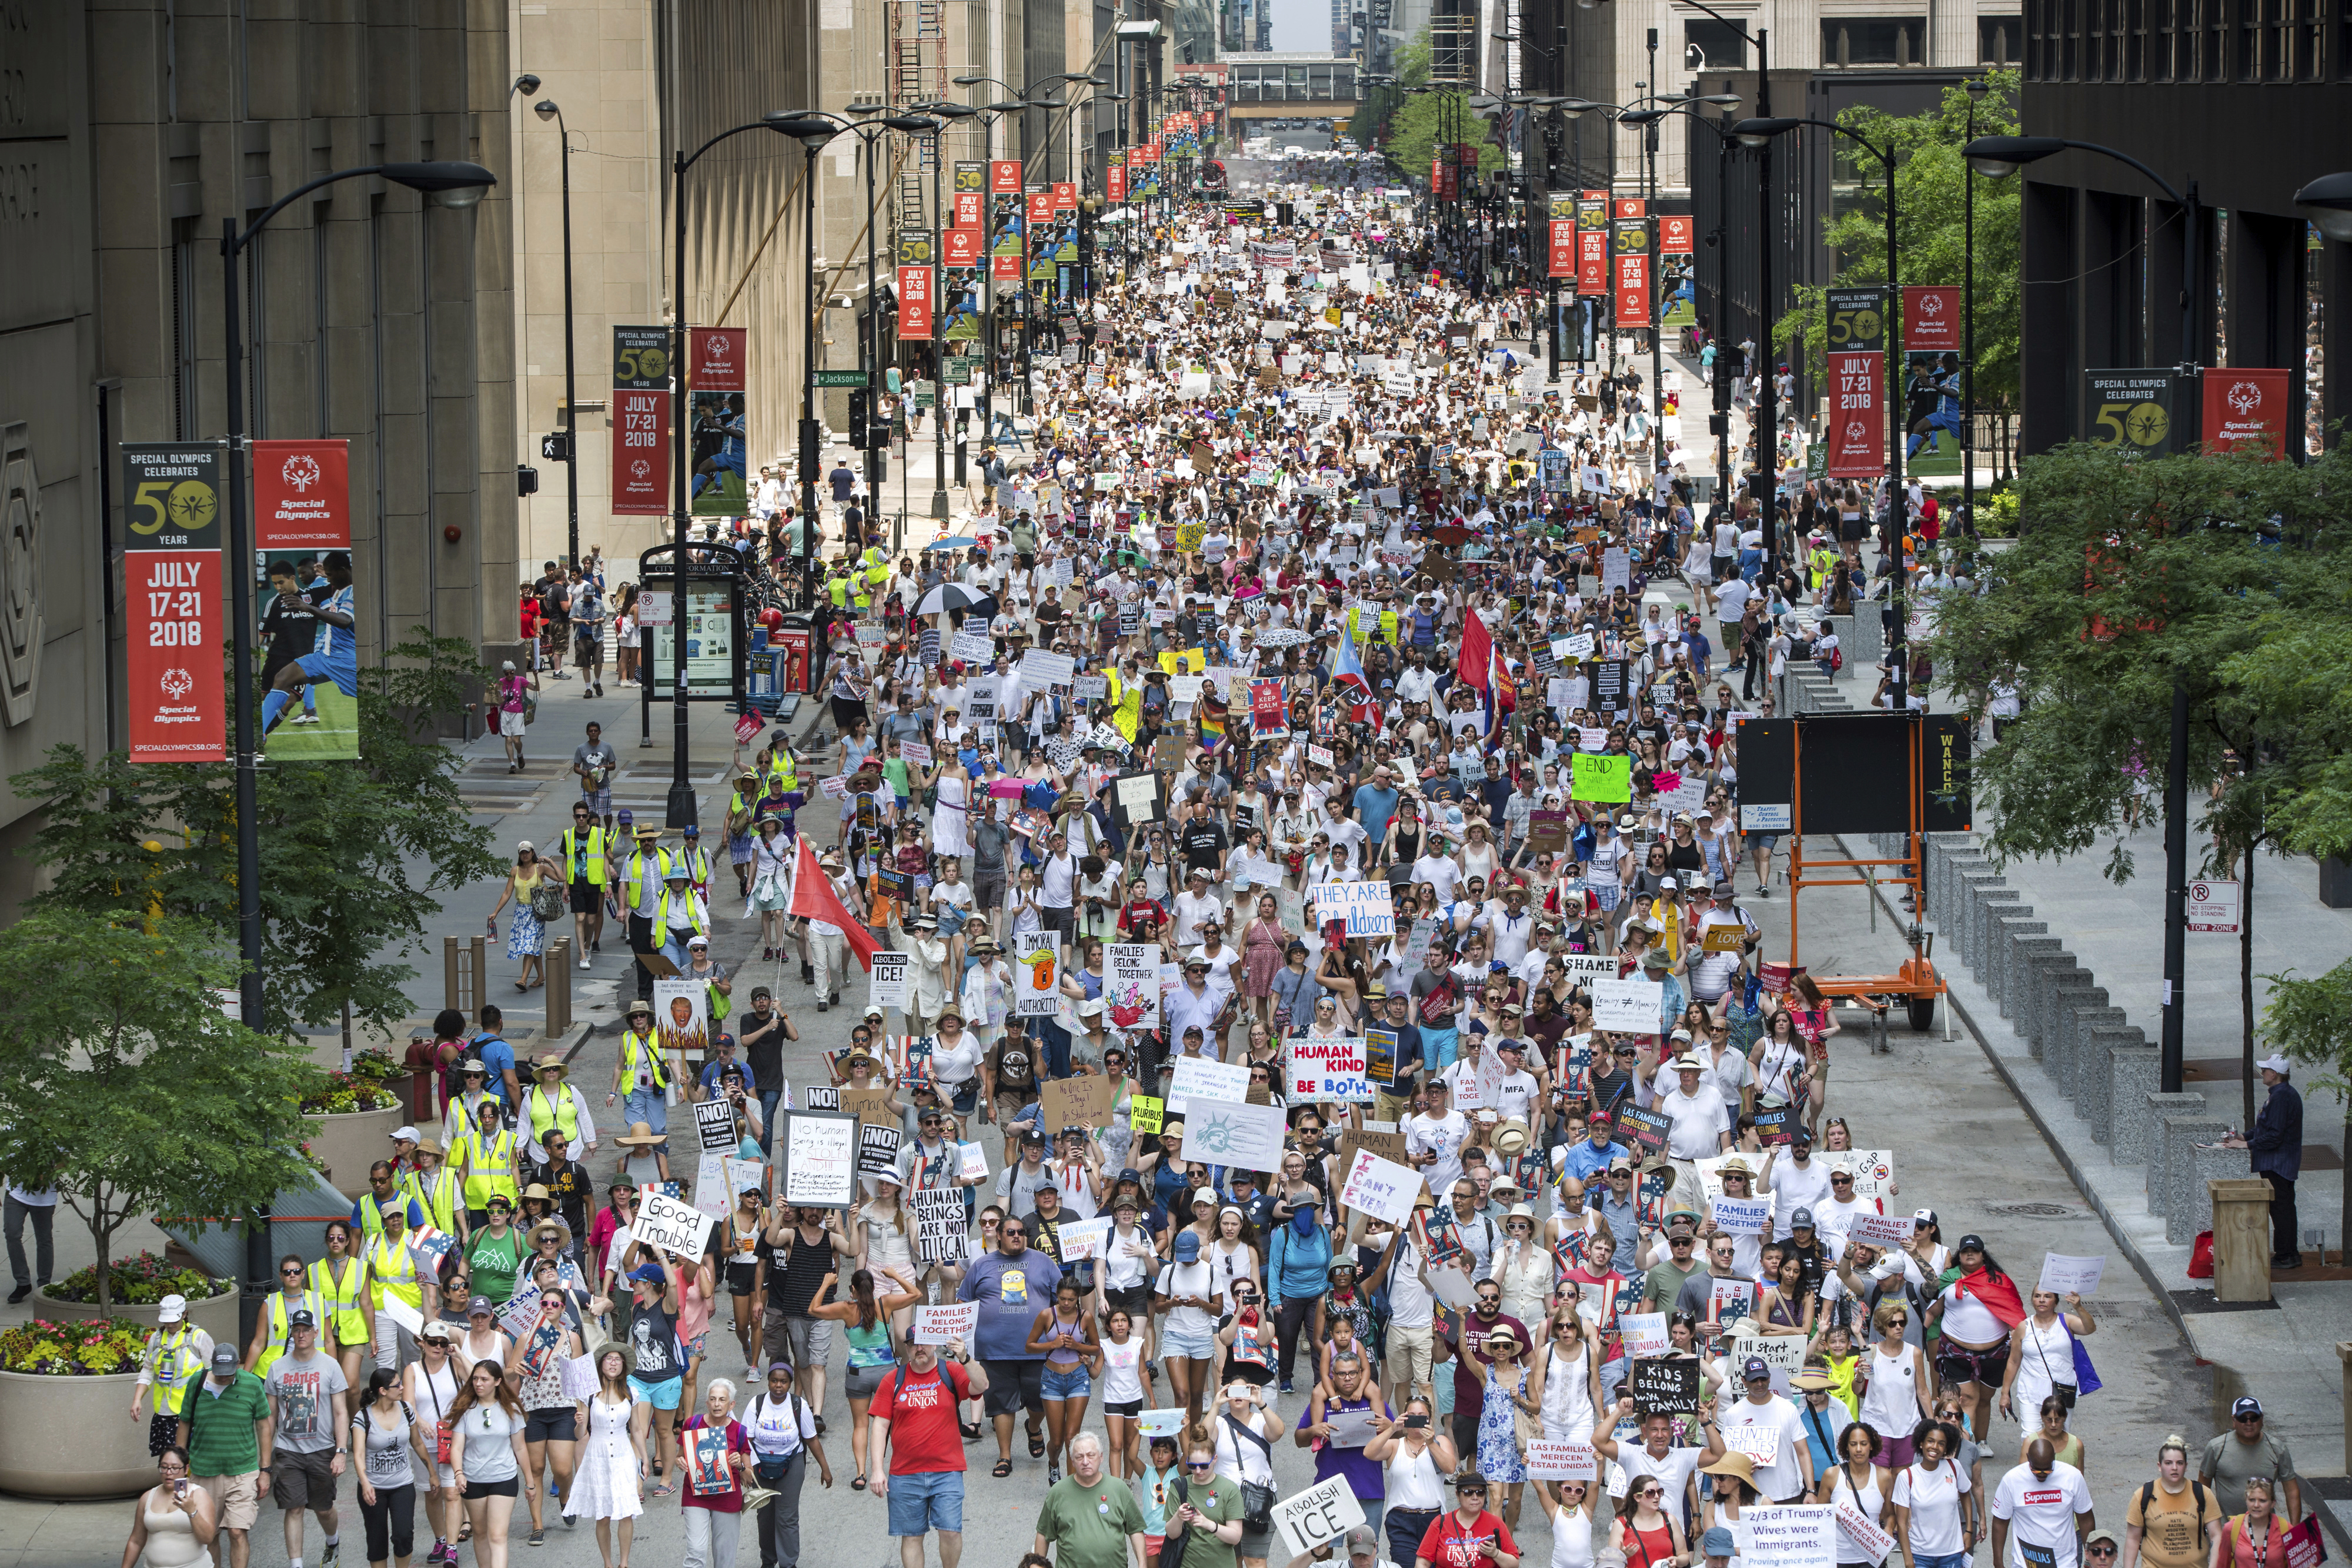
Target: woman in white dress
[
  {"x": 1563, "y": 1379},
  {"x": 953, "y": 783},
  {"x": 1522, "y": 1267},
  {"x": 611, "y": 1461},
  {"x": 1571, "y": 1520},
  {"x": 175, "y": 1520}
]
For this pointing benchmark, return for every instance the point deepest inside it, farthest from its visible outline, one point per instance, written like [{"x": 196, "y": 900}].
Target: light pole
[
  {"x": 1977, "y": 88},
  {"x": 447, "y": 185},
  {"x": 944, "y": 114},
  {"x": 989, "y": 116},
  {"x": 1760, "y": 132},
  {"x": 1998, "y": 157},
  {"x": 869, "y": 342},
  {"x": 1646, "y": 120},
  {"x": 547, "y": 108}
]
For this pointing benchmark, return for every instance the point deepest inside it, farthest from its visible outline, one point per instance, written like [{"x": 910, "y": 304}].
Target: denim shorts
[
  {"x": 1067, "y": 1381},
  {"x": 931, "y": 1500},
  {"x": 1198, "y": 1344}
]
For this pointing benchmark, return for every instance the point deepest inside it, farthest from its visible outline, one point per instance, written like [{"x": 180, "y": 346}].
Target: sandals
[
  {"x": 1036, "y": 1444},
  {"x": 972, "y": 1431},
  {"x": 1003, "y": 1468},
  {"x": 860, "y": 1483}
]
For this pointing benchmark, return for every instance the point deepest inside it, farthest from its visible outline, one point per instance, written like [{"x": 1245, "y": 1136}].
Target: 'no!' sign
[{"x": 1323, "y": 1512}]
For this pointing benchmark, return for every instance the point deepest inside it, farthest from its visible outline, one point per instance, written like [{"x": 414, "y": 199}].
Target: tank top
[
  {"x": 1063, "y": 1358},
  {"x": 170, "y": 1539},
  {"x": 1866, "y": 1502},
  {"x": 1890, "y": 1403},
  {"x": 1646, "y": 1547},
  {"x": 1566, "y": 1399},
  {"x": 1571, "y": 1539},
  {"x": 870, "y": 1347},
  {"x": 386, "y": 1441}
]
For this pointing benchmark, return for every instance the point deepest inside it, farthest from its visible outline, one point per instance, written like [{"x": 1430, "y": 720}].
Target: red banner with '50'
[{"x": 171, "y": 589}]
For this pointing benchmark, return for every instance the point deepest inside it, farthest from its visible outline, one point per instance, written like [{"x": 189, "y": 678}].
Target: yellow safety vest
[
  {"x": 490, "y": 1168},
  {"x": 781, "y": 773},
  {"x": 281, "y": 1333},
  {"x": 394, "y": 1269},
  {"x": 563, "y": 1112},
  {"x": 342, "y": 1298},
  {"x": 596, "y": 854},
  {"x": 700, "y": 923},
  {"x": 638, "y": 865},
  {"x": 839, "y": 586},
  {"x": 439, "y": 1201},
  {"x": 631, "y": 1043},
  {"x": 171, "y": 1360},
  {"x": 696, "y": 862}
]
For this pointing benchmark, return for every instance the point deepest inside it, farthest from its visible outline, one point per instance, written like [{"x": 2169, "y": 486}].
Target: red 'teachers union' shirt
[
  {"x": 925, "y": 1439},
  {"x": 1449, "y": 1544}
]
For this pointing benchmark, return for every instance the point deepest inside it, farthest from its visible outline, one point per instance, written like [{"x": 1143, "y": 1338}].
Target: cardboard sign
[
  {"x": 870, "y": 1106},
  {"x": 946, "y": 1325},
  {"x": 1388, "y": 1143},
  {"x": 671, "y": 1223},
  {"x": 1323, "y": 1512},
  {"x": 1073, "y": 1102},
  {"x": 816, "y": 1160},
  {"x": 1784, "y": 1354},
  {"x": 1382, "y": 1188},
  {"x": 1663, "y": 1385}
]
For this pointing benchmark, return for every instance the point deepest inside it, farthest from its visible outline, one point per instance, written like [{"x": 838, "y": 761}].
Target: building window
[
  {"x": 1873, "y": 40},
  {"x": 1999, "y": 40},
  {"x": 1713, "y": 46},
  {"x": 183, "y": 340},
  {"x": 2249, "y": 42},
  {"x": 2037, "y": 39},
  {"x": 1343, "y": 82},
  {"x": 2214, "y": 44},
  {"x": 1318, "y": 83},
  {"x": 2310, "y": 38}
]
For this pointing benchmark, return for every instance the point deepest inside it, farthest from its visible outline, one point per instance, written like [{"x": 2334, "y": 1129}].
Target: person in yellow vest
[
  {"x": 581, "y": 855},
  {"x": 637, "y": 891},
  {"x": 433, "y": 1186},
  {"x": 399, "y": 1271},
  {"x": 457, "y": 1118},
  {"x": 384, "y": 1186},
  {"x": 177, "y": 1350},
  {"x": 340, "y": 1280},
  {"x": 552, "y": 1101},
  {"x": 696, "y": 862},
  {"x": 643, "y": 1075},
  {"x": 680, "y": 914},
  {"x": 272, "y": 1335},
  {"x": 484, "y": 1158}
]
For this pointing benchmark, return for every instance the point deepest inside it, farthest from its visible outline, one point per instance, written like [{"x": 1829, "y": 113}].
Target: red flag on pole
[
  {"x": 814, "y": 898},
  {"x": 1476, "y": 645}
]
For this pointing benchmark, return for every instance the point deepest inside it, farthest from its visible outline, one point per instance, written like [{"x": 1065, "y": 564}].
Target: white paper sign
[
  {"x": 1762, "y": 1444},
  {"x": 1382, "y": 1188},
  {"x": 1802, "y": 1535},
  {"x": 1225, "y": 1133},
  {"x": 819, "y": 1160},
  {"x": 946, "y": 1325},
  {"x": 1784, "y": 1354},
  {"x": 579, "y": 1377},
  {"x": 1327, "y": 1070},
  {"x": 1368, "y": 909},
  {"x": 915, "y": 751},
  {"x": 1873, "y": 1169},
  {"x": 1158, "y": 1423},
  {"x": 1205, "y": 1077},
  {"x": 1645, "y": 1333},
  {"x": 973, "y": 645},
  {"x": 671, "y": 1223},
  {"x": 1081, "y": 1238},
  {"x": 1324, "y": 1511},
  {"x": 2063, "y": 1274},
  {"x": 886, "y": 984},
  {"x": 1627, "y": 1006},
  {"x": 1040, "y": 669},
  {"x": 1557, "y": 1461},
  {"x": 1882, "y": 1231},
  {"x": 1860, "y": 1528},
  {"x": 1741, "y": 1215}
]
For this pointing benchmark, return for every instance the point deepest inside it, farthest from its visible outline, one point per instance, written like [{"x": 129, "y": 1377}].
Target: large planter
[
  {"x": 72, "y": 1438},
  {"x": 217, "y": 1317},
  {"x": 347, "y": 1144}
]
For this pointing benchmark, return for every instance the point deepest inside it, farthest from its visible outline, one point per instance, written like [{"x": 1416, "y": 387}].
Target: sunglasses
[
  {"x": 2102, "y": 1551},
  {"x": 289, "y": 1273},
  {"x": 1200, "y": 1464}
]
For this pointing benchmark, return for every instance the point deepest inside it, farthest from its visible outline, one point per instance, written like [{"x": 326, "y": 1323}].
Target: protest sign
[
  {"x": 1741, "y": 1215},
  {"x": 1784, "y": 1354},
  {"x": 1078, "y": 1101},
  {"x": 1882, "y": 1231},
  {"x": 1875, "y": 1544},
  {"x": 671, "y": 1223},
  {"x": 1664, "y": 1385},
  {"x": 1382, "y": 1188},
  {"x": 887, "y": 981},
  {"x": 1365, "y": 906},
  {"x": 1550, "y": 1460},
  {"x": 1144, "y": 1115},
  {"x": 1206, "y": 1078},
  {"x": 1131, "y": 985},
  {"x": 870, "y": 1106},
  {"x": 1386, "y": 1142},
  {"x": 1759, "y": 1442},
  {"x": 1036, "y": 975},
  {"x": 2063, "y": 1274},
  {"x": 1873, "y": 1169},
  {"x": 971, "y": 1160},
  {"x": 1645, "y": 1129},
  {"x": 1605, "y": 779},
  {"x": 877, "y": 1150},
  {"x": 1583, "y": 970},
  {"x": 945, "y": 1325},
  {"x": 1801, "y": 1535},
  {"x": 1728, "y": 1301},
  {"x": 1323, "y": 1512},
  {"x": 1627, "y": 1007},
  {"x": 1645, "y": 1333},
  {"x": 1326, "y": 1070},
  {"x": 580, "y": 1377},
  {"x": 943, "y": 1233},
  {"x": 714, "y": 1124},
  {"x": 816, "y": 1159},
  {"x": 1224, "y": 1133},
  {"x": 1161, "y": 1423}
]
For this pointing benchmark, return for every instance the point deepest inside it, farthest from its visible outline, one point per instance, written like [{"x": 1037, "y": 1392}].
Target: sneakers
[
  {"x": 1053, "y": 1475},
  {"x": 538, "y": 1537},
  {"x": 307, "y": 718},
  {"x": 330, "y": 1553},
  {"x": 583, "y": 963}
]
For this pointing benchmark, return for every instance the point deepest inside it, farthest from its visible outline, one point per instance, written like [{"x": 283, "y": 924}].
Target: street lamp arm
[
  {"x": 1777, "y": 124},
  {"x": 426, "y": 177},
  {"x": 2160, "y": 182},
  {"x": 688, "y": 163},
  {"x": 1745, "y": 35}
]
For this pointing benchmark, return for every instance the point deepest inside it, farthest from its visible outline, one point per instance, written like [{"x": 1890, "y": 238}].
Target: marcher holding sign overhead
[{"x": 2043, "y": 1354}]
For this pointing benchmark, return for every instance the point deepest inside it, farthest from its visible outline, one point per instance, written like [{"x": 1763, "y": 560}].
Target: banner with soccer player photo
[
  {"x": 309, "y": 635},
  {"x": 716, "y": 384},
  {"x": 1931, "y": 414}
]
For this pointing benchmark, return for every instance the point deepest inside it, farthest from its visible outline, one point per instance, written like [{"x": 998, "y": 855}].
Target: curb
[{"x": 2057, "y": 1146}]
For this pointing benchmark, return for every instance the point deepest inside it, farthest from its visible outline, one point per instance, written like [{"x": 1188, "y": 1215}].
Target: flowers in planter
[
  {"x": 140, "y": 1281},
  {"x": 373, "y": 1066},
  {"x": 96, "y": 1348},
  {"x": 345, "y": 1093}
]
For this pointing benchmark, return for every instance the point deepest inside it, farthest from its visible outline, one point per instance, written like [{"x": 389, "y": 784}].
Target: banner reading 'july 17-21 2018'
[
  {"x": 640, "y": 421},
  {"x": 302, "y": 526},
  {"x": 172, "y": 593}
]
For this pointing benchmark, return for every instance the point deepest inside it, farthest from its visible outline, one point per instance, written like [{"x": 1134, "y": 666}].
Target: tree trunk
[{"x": 2246, "y": 978}]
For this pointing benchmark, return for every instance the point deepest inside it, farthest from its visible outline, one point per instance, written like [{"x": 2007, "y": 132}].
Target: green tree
[
  {"x": 2310, "y": 1022},
  {"x": 122, "y": 1079},
  {"x": 1410, "y": 114},
  {"x": 1930, "y": 226},
  {"x": 355, "y": 855},
  {"x": 2130, "y": 578}
]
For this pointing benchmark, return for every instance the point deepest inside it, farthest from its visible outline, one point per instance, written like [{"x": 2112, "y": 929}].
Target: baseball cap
[
  {"x": 647, "y": 1273},
  {"x": 409, "y": 1133},
  {"x": 1755, "y": 1366},
  {"x": 1924, "y": 1216},
  {"x": 1802, "y": 1220},
  {"x": 1188, "y": 1246},
  {"x": 224, "y": 1358},
  {"x": 2248, "y": 1405},
  {"x": 1716, "y": 1543},
  {"x": 302, "y": 1318},
  {"x": 481, "y": 1304},
  {"x": 1362, "y": 1542}
]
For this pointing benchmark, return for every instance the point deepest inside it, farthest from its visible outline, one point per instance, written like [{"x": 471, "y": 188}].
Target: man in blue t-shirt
[
  {"x": 499, "y": 1057},
  {"x": 1013, "y": 1285},
  {"x": 1376, "y": 802}
]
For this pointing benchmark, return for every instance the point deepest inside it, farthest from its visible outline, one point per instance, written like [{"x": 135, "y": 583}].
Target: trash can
[{"x": 2241, "y": 1237}]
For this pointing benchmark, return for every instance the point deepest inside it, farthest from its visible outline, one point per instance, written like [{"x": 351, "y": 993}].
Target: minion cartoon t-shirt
[{"x": 1012, "y": 1290}]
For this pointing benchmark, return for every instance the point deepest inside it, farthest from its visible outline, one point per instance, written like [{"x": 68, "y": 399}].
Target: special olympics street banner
[
  {"x": 2245, "y": 412},
  {"x": 303, "y": 529},
  {"x": 718, "y": 478},
  {"x": 641, "y": 372},
  {"x": 1857, "y": 421},
  {"x": 172, "y": 594}
]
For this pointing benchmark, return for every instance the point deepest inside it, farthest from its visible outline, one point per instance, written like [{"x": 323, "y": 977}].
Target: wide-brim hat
[{"x": 640, "y": 1134}]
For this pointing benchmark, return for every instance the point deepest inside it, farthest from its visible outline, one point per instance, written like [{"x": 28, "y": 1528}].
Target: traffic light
[
  {"x": 858, "y": 397},
  {"x": 556, "y": 447}
]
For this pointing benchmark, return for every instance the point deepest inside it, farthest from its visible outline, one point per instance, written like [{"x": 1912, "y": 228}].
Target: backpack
[
  {"x": 1837, "y": 660},
  {"x": 2197, "y": 1490}
]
